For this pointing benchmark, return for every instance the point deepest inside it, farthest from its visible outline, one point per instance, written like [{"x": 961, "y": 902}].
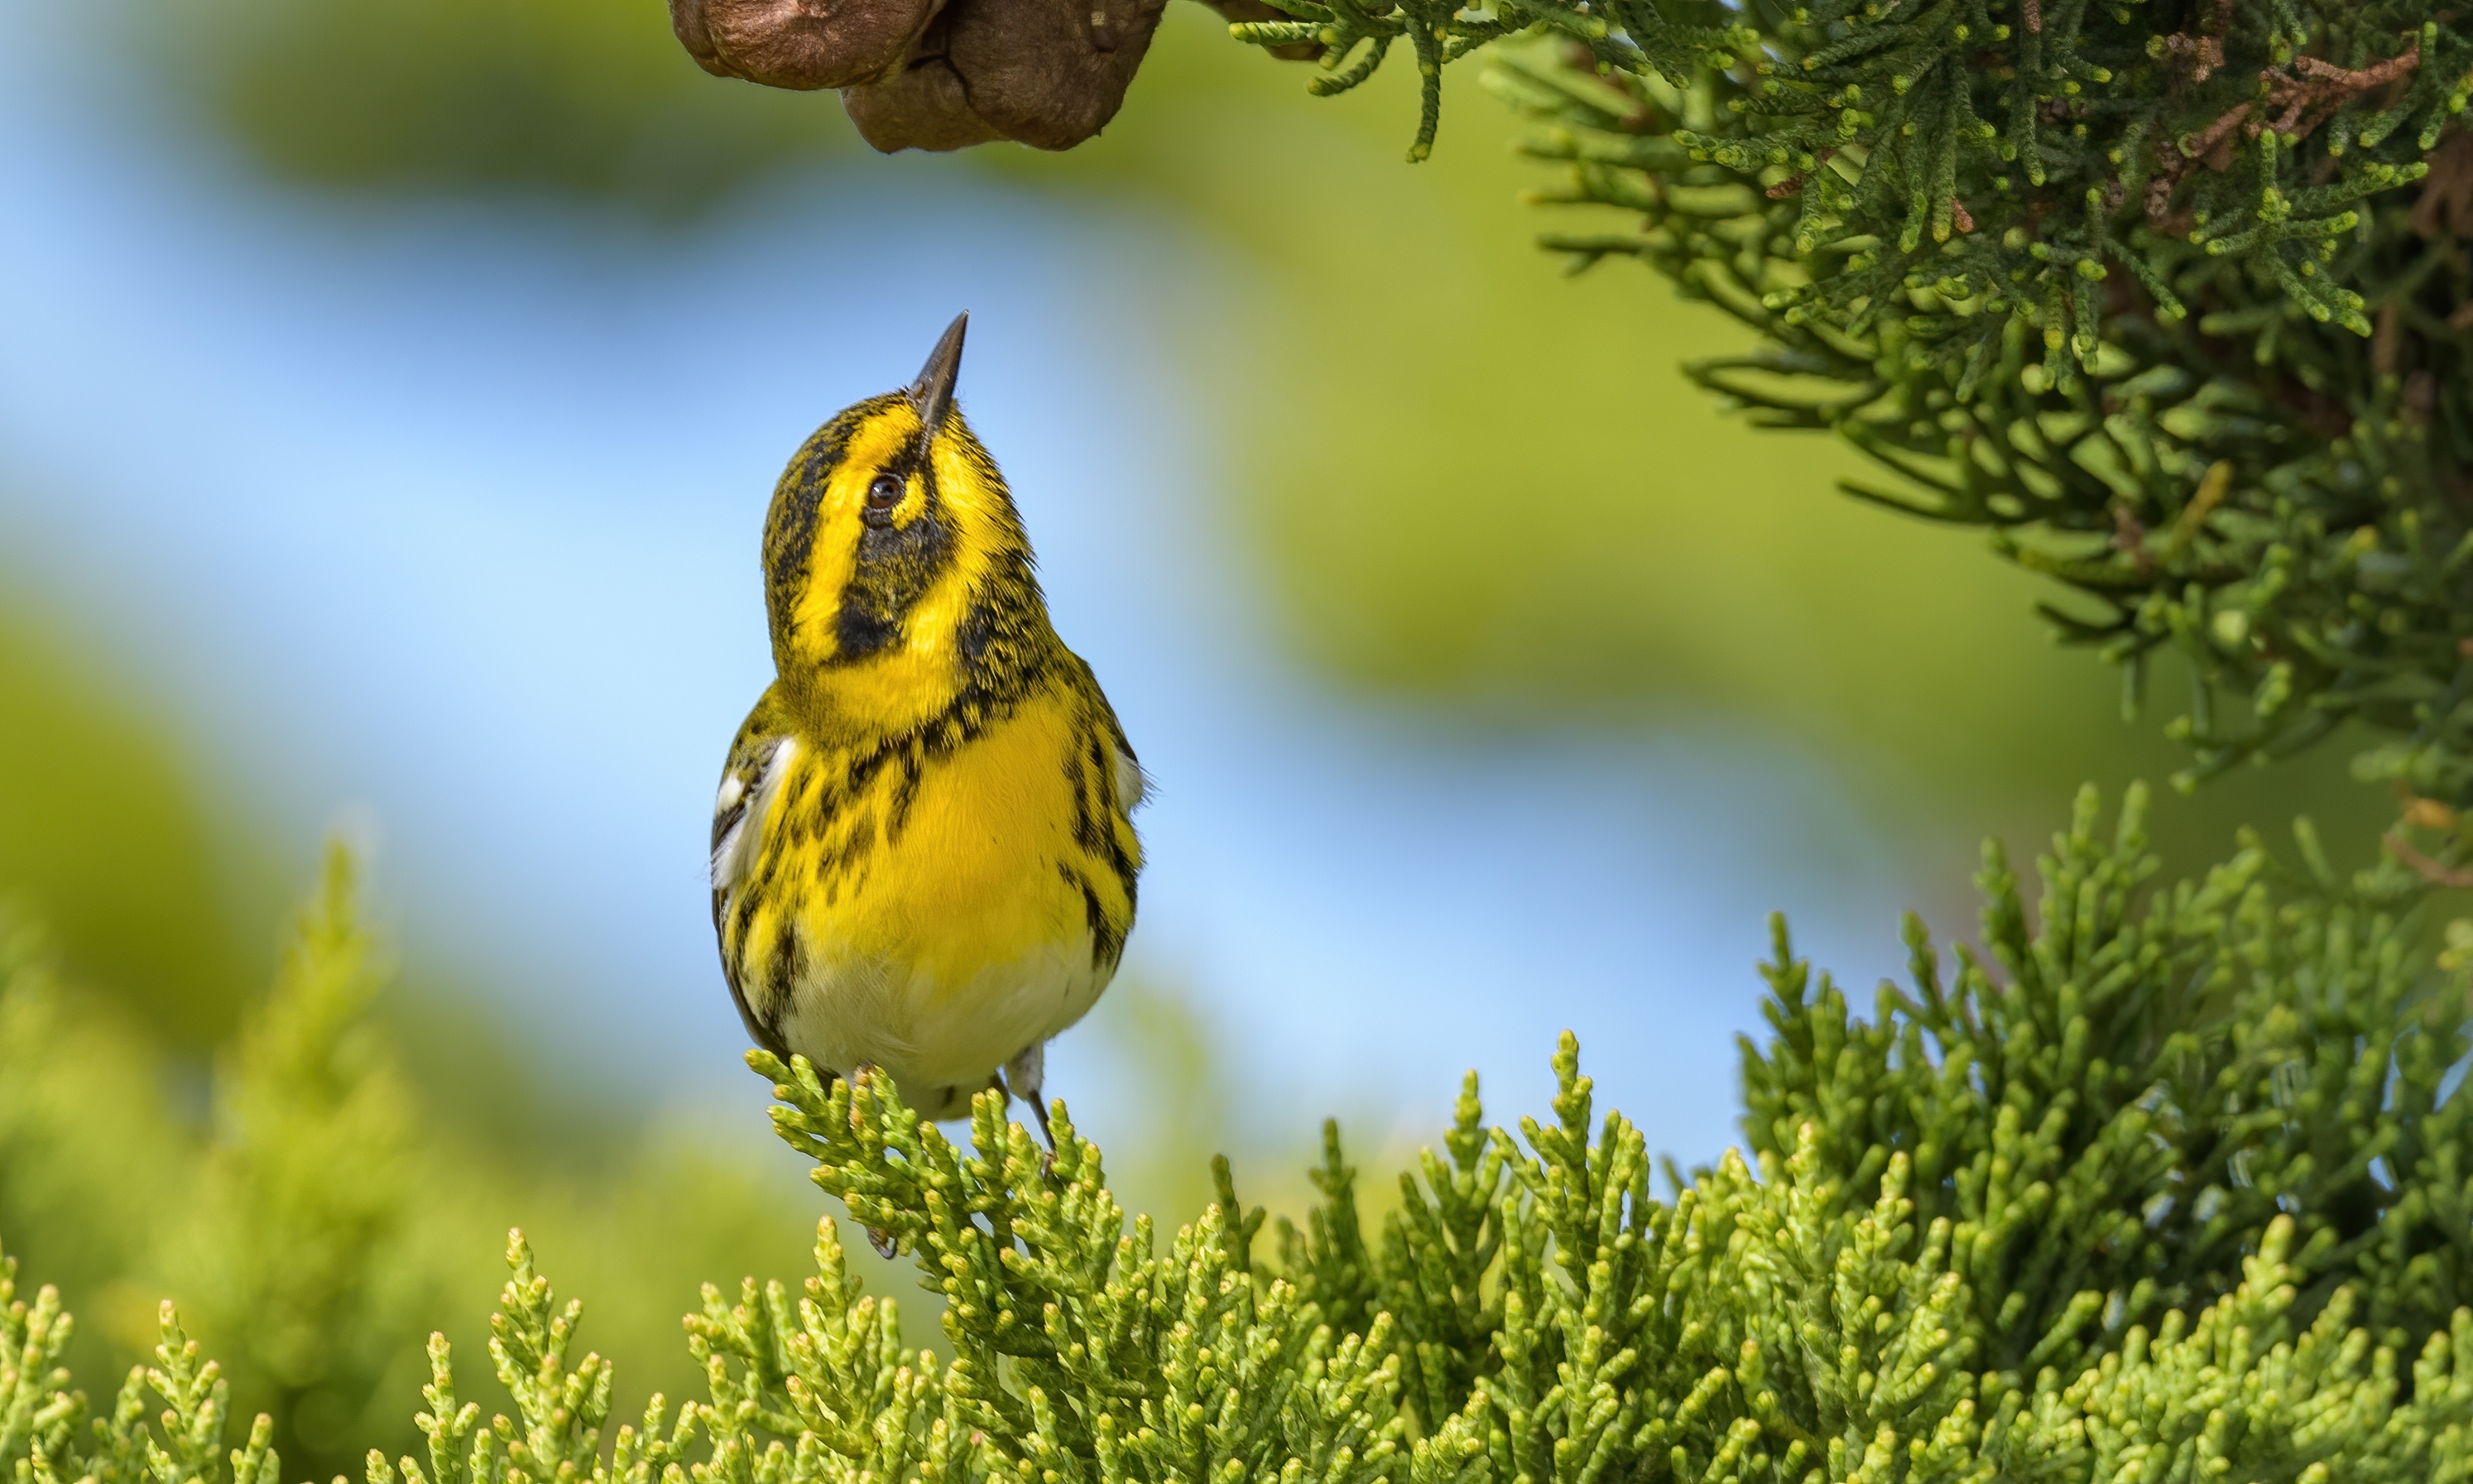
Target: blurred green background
[{"x": 1466, "y": 497}]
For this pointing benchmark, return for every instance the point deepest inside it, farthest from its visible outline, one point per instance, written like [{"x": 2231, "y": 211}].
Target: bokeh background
[{"x": 390, "y": 394}]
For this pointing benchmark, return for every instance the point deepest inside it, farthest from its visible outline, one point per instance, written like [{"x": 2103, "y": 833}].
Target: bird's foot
[
  {"x": 883, "y": 1243},
  {"x": 1026, "y": 1072},
  {"x": 1039, "y": 1111},
  {"x": 1048, "y": 1161}
]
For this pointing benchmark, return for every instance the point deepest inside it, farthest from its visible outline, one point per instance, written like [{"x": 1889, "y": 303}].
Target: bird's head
[{"x": 897, "y": 571}]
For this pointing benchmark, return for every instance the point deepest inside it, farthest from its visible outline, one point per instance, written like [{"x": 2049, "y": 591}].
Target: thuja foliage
[
  {"x": 2171, "y": 295},
  {"x": 2110, "y": 1108},
  {"x": 312, "y": 1207},
  {"x": 2162, "y": 1184},
  {"x": 289, "y": 1228}
]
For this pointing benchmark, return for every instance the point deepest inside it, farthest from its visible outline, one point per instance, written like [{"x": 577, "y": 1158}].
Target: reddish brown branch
[
  {"x": 1800, "y": 179},
  {"x": 2129, "y": 538},
  {"x": 2423, "y": 865},
  {"x": 2206, "y": 49},
  {"x": 2320, "y": 87},
  {"x": 2309, "y": 95}
]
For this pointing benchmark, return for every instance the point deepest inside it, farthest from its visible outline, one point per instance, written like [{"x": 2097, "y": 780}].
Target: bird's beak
[{"x": 933, "y": 392}]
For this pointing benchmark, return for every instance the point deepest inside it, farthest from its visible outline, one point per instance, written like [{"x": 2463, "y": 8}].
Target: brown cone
[
  {"x": 937, "y": 74},
  {"x": 686, "y": 22},
  {"x": 923, "y": 109},
  {"x": 1049, "y": 73},
  {"x": 799, "y": 43}
]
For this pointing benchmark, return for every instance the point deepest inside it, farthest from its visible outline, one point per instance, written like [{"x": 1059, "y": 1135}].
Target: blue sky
[{"x": 445, "y": 519}]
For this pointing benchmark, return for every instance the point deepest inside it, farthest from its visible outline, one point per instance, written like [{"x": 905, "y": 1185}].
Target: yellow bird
[{"x": 923, "y": 852}]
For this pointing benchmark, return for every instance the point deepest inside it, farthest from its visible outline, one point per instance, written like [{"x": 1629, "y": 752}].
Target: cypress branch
[
  {"x": 2167, "y": 1179},
  {"x": 2085, "y": 272}
]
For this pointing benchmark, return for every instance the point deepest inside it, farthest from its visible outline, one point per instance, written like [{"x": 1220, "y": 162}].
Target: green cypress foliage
[
  {"x": 2165, "y": 1182},
  {"x": 2156, "y": 1080},
  {"x": 288, "y": 1229},
  {"x": 2169, "y": 295}
]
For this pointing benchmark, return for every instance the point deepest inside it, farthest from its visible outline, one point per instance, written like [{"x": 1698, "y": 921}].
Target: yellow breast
[{"x": 937, "y": 906}]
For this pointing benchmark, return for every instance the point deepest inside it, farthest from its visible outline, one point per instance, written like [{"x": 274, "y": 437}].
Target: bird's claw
[
  {"x": 1048, "y": 1161},
  {"x": 1038, "y": 1111}
]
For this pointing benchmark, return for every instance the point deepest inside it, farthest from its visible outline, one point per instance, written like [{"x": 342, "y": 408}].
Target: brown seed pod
[
  {"x": 686, "y": 23},
  {"x": 801, "y": 44},
  {"x": 923, "y": 109},
  {"x": 1049, "y": 73},
  {"x": 937, "y": 74}
]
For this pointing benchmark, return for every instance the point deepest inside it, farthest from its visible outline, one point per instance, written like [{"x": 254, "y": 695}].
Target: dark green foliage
[
  {"x": 2167, "y": 292},
  {"x": 2112, "y": 1109},
  {"x": 1436, "y": 1253},
  {"x": 560, "y": 1410},
  {"x": 1355, "y": 39},
  {"x": 2184, "y": 1161},
  {"x": 1327, "y": 1261}
]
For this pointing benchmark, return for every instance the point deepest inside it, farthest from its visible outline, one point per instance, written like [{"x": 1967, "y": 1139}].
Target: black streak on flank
[
  {"x": 1090, "y": 791},
  {"x": 906, "y": 792},
  {"x": 781, "y": 977},
  {"x": 1107, "y": 945},
  {"x": 1086, "y": 824},
  {"x": 764, "y": 1030},
  {"x": 742, "y": 925}
]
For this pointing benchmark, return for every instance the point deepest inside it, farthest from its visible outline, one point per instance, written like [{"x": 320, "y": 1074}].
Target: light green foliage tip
[
  {"x": 286, "y": 1224},
  {"x": 2171, "y": 295},
  {"x": 2165, "y": 1187}
]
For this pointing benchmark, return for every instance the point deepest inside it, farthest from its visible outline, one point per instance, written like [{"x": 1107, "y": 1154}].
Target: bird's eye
[{"x": 884, "y": 493}]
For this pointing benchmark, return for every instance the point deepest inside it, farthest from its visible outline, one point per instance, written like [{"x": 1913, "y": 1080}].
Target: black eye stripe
[{"x": 897, "y": 564}]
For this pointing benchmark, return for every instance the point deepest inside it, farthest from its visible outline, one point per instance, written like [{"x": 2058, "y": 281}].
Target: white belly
[{"x": 941, "y": 1043}]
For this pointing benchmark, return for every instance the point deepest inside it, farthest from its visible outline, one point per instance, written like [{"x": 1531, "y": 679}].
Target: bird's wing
[
  {"x": 749, "y": 784},
  {"x": 1132, "y": 785}
]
